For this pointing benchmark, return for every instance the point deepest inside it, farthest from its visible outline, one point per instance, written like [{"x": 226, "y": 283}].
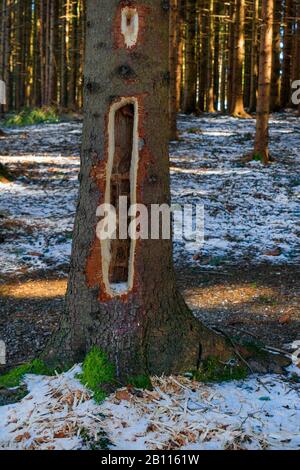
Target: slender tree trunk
[
  {"x": 190, "y": 81},
  {"x": 296, "y": 47},
  {"x": 264, "y": 84},
  {"x": 73, "y": 55},
  {"x": 217, "y": 41},
  {"x": 231, "y": 53},
  {"x": 202, "y": 57},
  {"x": 254, "y": 57},
  {"x": 174, "y": 44},
  {"x": 237, "y": 105},
  {"x": 276, "y": 68},
  {"x": 210, "y": 98},
  {"x": 285, "y": 95},
  {"x": 63, "y": 58},
  {"x": 179, "y": 60},
  {"x": 147, "y": 328},
  {"x": 224, "y": 65}
]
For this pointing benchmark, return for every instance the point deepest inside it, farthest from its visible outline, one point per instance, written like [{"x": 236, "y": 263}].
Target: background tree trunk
[
  {"x": 189, "y": 100},
  {"x": 210, "y": 98},
  {"x": 174, "y": 45},
  {"x": 264, "y": 84},
  {"x": 285, "y": 95},
  {"x": 237, "y": 104},
  {"x": 254, "y": 57}
]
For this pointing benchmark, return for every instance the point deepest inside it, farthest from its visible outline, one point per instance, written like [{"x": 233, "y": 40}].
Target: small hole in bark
[{"x": 130, "y": 26}]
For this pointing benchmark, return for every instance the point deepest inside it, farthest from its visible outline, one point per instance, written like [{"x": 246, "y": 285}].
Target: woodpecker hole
[
  {"x": 130, "y": 26},
  {"x": 121, "y": 181}
]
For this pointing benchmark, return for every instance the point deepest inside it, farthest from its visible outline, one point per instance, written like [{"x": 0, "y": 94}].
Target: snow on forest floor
[
  {"x": 59, "y": 413},
  {"x": 251, "y": 212}
]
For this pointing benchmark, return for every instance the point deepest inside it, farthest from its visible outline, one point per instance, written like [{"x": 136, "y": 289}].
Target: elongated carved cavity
[
  {"x": 121, "y": 181},
  {"x": 130, "y": 26}
]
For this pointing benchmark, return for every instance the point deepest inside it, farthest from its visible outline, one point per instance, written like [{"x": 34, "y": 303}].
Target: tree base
[
  {"x": 175, "y": 347},
  {"x": 241, "y": 115}
]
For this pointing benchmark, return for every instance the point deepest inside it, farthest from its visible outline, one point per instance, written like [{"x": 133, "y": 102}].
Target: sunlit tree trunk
[
  {"x": 276, "y": 68},
  {"x": 285, "y": 94},
  {"x": 190, "y": 79},
  {"x": 210, "y": 98},
  {"x": 202, "y": 54},
  {"x": 254, "y": 57},
  {"x": 237, "y": 104},
  {"x": 231, "y": 54},
  {"x": 264, "y": 82}
]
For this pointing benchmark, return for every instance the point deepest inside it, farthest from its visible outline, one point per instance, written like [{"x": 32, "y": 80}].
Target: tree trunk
[
  {"x": 276, "y": 68},
  {"x": 217, "y": 48},
  {"x": 210, "y": 98},
  {"x": 174, "y": 44},
  {"x": 254, "y": 57},
  {"x": 285, "y": 95},
  {"x": 147, "y": 328},
  {"x": 179, "y": 59},
  {"x": 237, "y": 105},
  {"x": 231, "y": 54},
  {"x": 224, "y": 58},
  {"x": 296, "y": 47},
  {"x": 190, "y": 80},
  {"x": 202, "y": 55},
  {"x": 264, "y": 83}
]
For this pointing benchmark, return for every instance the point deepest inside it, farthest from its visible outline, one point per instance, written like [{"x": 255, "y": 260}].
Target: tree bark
[
  {"x": 190, "y": 79},
  {"x": 285, "y": 94},
  {"x": 237, "y": 104},
  {"x": 254, "y": 57},
  {"x": 147, "y": 329},
  {"x": 210, "y": 97},
  {"x": 276, "y": 68},
  {"x": 264, "y": 84},
  {"x": 174, "y": 44}
]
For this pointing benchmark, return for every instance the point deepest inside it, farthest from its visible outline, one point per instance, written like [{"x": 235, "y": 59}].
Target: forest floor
[
  {"x": 243, "y": 280},
  {"x": 244, "y": 277}
]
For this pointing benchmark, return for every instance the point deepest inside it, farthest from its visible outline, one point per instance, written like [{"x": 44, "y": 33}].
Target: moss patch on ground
[
  {"x": 14, "y": 377},
  {"x": 212, "y": 370},
  {"x": 97, "y": 374},
  {"x": 142, "y": 382}
]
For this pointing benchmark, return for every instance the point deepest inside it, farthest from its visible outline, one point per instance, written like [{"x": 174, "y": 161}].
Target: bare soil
[{"x": 257, "y": 302}]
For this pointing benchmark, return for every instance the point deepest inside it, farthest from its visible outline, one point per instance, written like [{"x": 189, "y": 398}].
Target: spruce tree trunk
[
  {"x": 148, "y": 328},
  {"x": 202, "y": 56},
  {"x": 254, "y": 57},
  {"x": 217, "y": 47},
  {"x": 237, "y": 103},
  {"x": 264, "y": 83},
  {"x": 190, "y": 79},
  {"x": 296, "y": 46},
  {"x": 276, "y": 68},
  {"x": 179, "y": 59},
  {"x": 285, "y": 94},
  {"x": 174, "y": 44},
  {"x": 231, "y": 54},
  {"x": 210, "y": 97}
]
